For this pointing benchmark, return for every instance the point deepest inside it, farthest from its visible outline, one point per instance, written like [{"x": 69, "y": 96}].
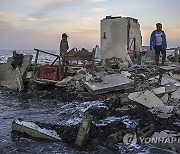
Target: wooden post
[
  {"x": 35, "y": 64},
  {"x": 60, "y": 71},
  {"x": 176, "y": 55},
  {"x": 63, "y": 63},
  {"x": 54, "y": 61}
]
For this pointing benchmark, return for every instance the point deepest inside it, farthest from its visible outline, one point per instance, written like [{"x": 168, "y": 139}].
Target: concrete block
[
  {"x": 32, "y": 129},
  {"x": 159, "y": 91},
  {"x": 10, "y": 77},
  {"x": 166, "y": 79},
  {"x": 164, "y": 98},
  {"x": 146, "y": 98},
  {"x": 113, "y": 82},
  {"x": 176, "y": 94},
  {"x": 84, "y": 130}
]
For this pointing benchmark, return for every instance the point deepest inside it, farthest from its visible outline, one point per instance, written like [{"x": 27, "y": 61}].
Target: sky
[{"x": 29, "y": 24}]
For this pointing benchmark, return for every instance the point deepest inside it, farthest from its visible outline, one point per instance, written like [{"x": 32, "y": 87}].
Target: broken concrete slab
[
  {"x": 176, "y": 76},
  {"x": 84, "y": 130},
  {"x": 164, "y": 98},
  {"x": 167, "y": 79},
  {"x": 172, "y": 87},
  {"x": 9, "y": 76},
  {"x": 113, "y": 82},
  {"x": 167, "y": 68},
  {"x": 146, "y": 98},
  {"x": 159, "y": 91},
  {"x": 64, "y": 82},
  {"x": 176, "y": 94},
  {"x": 163, "y": 111},
  {"x": 32, "y": 129},
  {"x": 19, "y": 79}
]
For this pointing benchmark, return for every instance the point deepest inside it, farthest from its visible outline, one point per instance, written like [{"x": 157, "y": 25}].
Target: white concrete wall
[
  {"x": 115, "y": 43},
  {"x": 119, "y": 34},
  {"x": 134, "y": 32}
]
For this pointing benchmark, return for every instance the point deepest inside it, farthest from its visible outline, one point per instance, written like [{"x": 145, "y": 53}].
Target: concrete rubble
[
  {"x": 84, "y": 130},
  {"x": 132, "y": 97},
  {"x": 13, "y": 78},
  {"x": 112, "y": 82},
  {"x": 146, "y": 98},
  {"x": 32, "y": 129}
]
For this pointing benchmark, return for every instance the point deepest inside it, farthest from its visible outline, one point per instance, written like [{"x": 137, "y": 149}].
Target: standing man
[
  {"x": 64, "y": 44},
  {"x": 158, "y": 43},
  {"x": 63, "y": 50}
]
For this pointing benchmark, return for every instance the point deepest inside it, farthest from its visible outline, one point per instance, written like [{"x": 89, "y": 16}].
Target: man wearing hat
[
  {"x": 63, "y": 50},
  {"x": 64, "y": 44}
]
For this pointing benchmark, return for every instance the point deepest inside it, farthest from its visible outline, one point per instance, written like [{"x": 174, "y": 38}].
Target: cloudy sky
[{"x": 29, "y": 24}]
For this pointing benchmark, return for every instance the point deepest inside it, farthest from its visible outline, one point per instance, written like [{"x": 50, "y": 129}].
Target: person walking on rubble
[{"x": 158, "y": 43}]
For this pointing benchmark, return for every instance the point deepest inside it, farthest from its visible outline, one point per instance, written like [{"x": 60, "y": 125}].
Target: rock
[
  {"x": 84, "y": 130},
  {"x": 146, "y": 98}
]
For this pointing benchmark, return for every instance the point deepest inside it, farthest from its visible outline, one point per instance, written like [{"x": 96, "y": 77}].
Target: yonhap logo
[{"x": 130, "y": 139}]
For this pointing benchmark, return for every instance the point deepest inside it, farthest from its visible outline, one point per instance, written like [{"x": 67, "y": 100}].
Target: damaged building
[{"x": 118, "y": 35}]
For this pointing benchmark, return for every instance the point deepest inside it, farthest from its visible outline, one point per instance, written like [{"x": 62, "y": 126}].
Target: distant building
[{"x": 118, "y": 35}]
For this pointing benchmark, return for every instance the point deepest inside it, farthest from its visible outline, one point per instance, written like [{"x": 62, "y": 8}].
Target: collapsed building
[{"x": 125, "y": 87}]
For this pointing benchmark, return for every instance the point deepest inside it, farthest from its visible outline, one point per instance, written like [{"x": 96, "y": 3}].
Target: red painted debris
[{"x": 49, "y": 72}]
